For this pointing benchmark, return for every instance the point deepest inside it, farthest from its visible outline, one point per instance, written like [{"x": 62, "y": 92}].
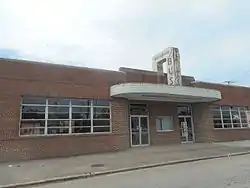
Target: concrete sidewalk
[{"x": 27, "y": 171}]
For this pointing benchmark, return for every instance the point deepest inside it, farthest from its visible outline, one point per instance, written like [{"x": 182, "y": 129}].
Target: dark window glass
[
  {"x": 33, "y": 115},
  {"x": 33, "y": 108},
  {"x": 227, "y": 125},
  {"x": 58, "y": 101},
  {"x": 32, "y": 131},
  {"x": 76, "y": 102},
  {"x": 57, "y": 123},
  {"x": 78, "y": 123},
  {"x": 100, "y": 103},
  {"x": 58, "y": 130},
  {"x": 184, "y": 110},
  {"x": 33, "y": 100},
  {"x": 81, "y": 129},
  {"x": 138, "y": 109},
  {"x": 81, "y": 109},
  {"x": 226, "y": 114},
  {"x": 58, "y": 116},
  {"x": 216, "y": 114},
  {"x": 81, "y": 116},
  {"x": 101, "y": 129},
  {"x": 58, "y": 109},
  {"x": 32, "y": 124},
  {"x": 101, "y": 122},
  {"x": 101, "y": 110},
  {"x": 101, "y": 116}
]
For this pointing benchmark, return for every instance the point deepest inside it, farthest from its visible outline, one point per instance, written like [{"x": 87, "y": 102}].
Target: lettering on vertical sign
[
  {"x": 170, "y": 72},
  {"x": 177, "y": 69}
]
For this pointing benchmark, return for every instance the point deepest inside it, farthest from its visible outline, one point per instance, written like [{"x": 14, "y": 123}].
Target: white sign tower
[{"x": 171, "y": 58}]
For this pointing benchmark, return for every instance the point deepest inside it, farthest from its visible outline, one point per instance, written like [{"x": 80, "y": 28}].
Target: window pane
[
  {"x": 33, "y": 115},
  {"x": 81, "y": 116},
  {"x": 183, "y": 110},
  {"x": 58, "y": 130},
  {"x": 32, "y": 131},
  {"x": 33, "y": 100},
  {"x": 217, "y": 121},
  {"x": 226, "y": 114},
  {"x": 101, "y": 122},
  {"x": 81, "y": 109},
  {"x": 81, "y": 129},
  {"x": 100, "y": 103},
  {"x": 217, "y": 125},
  {"x": 243, "y": 114},
  {"x": 57, "y": 123},
  {"x": 31, "y": 124},
  {"x": 33, "y": 108},
  {"x": 98, "y": 110},
  {"x": 227, "y": 121},
  {"x": 58, "y": 116},
  {"x": 101, "y": 129},
  {"x": 245, "y": 125},
  {"x": 80, "y": 102},
  {"x": 244, "y": 121},
  {"x": 164, "y": 123},
  {"x": 76, "y": 123},
  {"x": 216, "y": 114},
  {"x": 138, "y": 109},
  {"x": 58, "y": 101},
  {"x": 58, "y": 109},
  {"x": 101, "y": 116},
  {"x": 236, "y": 125},
  {"x": 227, "y": 125}
]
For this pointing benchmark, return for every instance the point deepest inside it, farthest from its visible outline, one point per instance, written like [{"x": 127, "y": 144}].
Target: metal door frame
[
  {"x": 139, "y": 116},
  {"x": 192, "y": 125}
]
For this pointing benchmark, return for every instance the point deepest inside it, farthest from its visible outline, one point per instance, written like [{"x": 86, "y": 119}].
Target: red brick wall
[
  {"x": 203, "y": 123},
  {"x": 17, "y": 79},
  {"x": 163, "y": 109}
]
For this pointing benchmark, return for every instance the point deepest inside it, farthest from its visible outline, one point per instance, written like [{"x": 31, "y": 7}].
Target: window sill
[
  {"x": 164, "y": 131},
  {"x": 65, "y": 135},
  {"x": 221, "y": 129}
]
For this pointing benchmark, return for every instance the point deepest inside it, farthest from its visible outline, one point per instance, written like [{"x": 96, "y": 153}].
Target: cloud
[{"x": 113, "y": 33}]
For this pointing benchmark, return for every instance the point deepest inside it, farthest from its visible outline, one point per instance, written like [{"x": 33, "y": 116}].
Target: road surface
[{"x": 218, "y": 173}]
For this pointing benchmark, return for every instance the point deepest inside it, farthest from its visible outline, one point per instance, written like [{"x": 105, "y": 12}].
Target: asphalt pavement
[{"x": 231, "y": 172}]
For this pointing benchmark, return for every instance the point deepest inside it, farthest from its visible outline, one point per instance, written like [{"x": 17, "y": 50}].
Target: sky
[{"x": 213, "y": 36}]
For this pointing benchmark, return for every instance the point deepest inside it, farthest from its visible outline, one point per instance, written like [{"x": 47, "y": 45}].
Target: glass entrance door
[
  {"x": 186, "y": 129},
  {"x": 139, "y": 131}
]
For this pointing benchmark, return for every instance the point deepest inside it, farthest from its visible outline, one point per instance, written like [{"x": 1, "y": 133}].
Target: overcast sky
[{"x": 213, "y": 35}]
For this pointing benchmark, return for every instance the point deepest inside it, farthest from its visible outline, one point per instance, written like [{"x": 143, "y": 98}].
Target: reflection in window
[
  {"x": 42, "y": 116},
  {"x": 138, "y": 109},
  {"x": 164, "y": 123},
  {"x": 229, "y": 117},
  {"x": 184, "y": 110}
]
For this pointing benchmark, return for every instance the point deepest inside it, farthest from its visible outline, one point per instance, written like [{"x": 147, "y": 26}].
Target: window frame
[
  {"x": 70, "y": 106},
  {"x": 220, "y": 109}
]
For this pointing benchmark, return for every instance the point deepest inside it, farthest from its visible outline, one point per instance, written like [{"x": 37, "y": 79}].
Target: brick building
[{"x": 49, "y": 110}]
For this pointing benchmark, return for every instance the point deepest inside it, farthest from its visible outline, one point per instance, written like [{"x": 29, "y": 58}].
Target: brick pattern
[
  {"x": 203, "y": 122},
  {"x": 18, "y": 79},
  {"x": 163, "y": 109},
  {"x": 231, "y": 95}
]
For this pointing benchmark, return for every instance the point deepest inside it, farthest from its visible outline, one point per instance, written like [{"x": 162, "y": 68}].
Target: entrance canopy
[{"x": 163, "y": 92}]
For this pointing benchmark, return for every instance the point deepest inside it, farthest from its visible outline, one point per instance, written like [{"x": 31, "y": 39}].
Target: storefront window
[
  {"x": 41, "y": 116},
  {"x": 229, "y": 117}
]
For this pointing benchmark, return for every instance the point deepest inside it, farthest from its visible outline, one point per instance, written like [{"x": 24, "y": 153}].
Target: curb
[{"x": 88, "y": 175}]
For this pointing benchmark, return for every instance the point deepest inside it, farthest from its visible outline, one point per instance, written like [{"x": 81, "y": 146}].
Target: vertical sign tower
[{"x": 171, "y": 58}]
